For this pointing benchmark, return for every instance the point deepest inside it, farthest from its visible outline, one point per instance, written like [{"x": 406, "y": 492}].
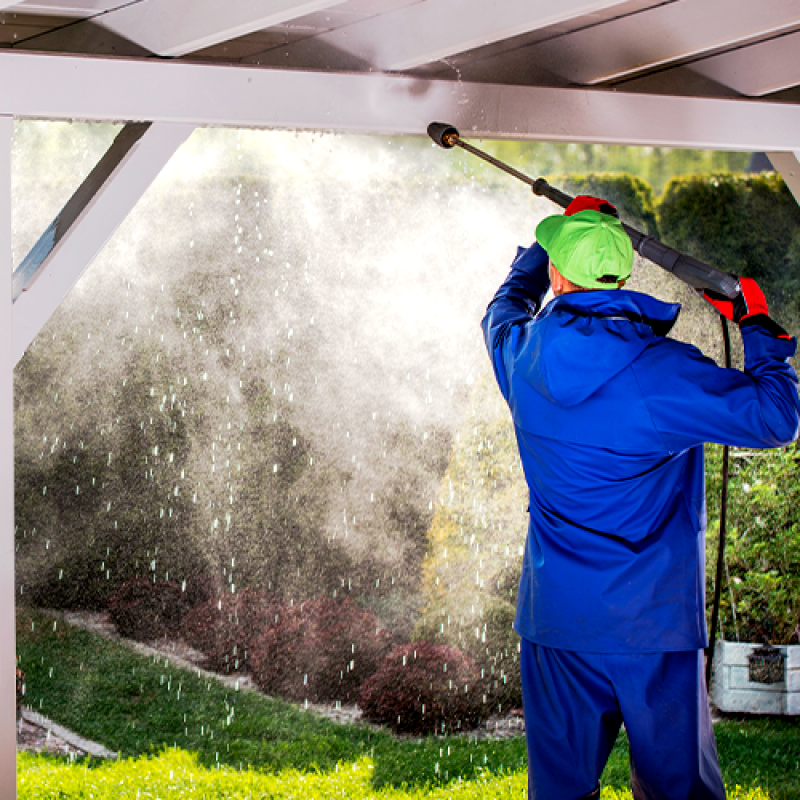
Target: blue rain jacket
[{"x": 610, "y": 417}]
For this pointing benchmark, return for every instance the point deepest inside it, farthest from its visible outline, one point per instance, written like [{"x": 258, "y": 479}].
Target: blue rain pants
[{"x": 575, "y": 703}]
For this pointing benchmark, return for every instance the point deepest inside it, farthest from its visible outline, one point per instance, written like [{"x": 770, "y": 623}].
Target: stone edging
[{"x": 78, "y": 742}]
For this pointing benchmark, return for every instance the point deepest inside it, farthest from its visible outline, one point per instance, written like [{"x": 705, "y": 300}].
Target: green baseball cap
[{"x": 589, "y": 248}]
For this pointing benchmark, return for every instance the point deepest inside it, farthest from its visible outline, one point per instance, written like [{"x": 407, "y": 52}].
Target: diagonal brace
[
  {"x": 81, "y": 229},
  {"x": 788, "y": 165}
]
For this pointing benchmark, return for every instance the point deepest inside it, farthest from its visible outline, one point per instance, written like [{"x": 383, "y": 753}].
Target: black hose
[{"x": 723, "y": 524}]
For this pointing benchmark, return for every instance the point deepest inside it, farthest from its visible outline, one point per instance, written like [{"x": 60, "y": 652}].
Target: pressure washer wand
[{"x": 690, "y": 270}]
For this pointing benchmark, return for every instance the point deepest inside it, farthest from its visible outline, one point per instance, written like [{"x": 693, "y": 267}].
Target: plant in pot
[{"x": 760, "y": 601}]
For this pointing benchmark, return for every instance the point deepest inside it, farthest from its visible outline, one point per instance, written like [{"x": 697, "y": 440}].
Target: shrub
[
  {"x": 319, "y": 650},
  {"x": 424, "y": 688},
  {"x": 143, "y": 609},
  {"x": 498, "y": 657},
  {"x": 489, "y": 640},
  {"x": 223, "y": 628}
]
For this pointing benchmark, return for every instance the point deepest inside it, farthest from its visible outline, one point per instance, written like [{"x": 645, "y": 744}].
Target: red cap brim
[{"x": 585, "y": 202}]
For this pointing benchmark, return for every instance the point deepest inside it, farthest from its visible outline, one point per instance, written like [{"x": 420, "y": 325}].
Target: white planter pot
[{"x": 732, "y": 689}]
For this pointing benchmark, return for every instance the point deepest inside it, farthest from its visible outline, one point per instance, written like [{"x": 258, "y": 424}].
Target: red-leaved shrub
[
  {"x": 319, "y": 650},
  {"x": 424, "y": 688},
  {"x": 224, "y": 628},
  {"x": 146, "y": 610}
]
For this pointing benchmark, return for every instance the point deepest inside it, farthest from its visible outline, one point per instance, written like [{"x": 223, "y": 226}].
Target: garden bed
[
  {"x": 135, "y": 704},
  {"x": 183, "y": 656}
]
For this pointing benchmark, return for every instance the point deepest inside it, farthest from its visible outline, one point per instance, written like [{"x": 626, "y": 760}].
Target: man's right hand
[
  {"x": 747, "y": 303},
  {"x": 749, "y": 307}
]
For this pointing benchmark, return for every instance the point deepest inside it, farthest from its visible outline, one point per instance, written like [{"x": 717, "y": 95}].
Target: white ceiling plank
[
  {"x": 788, "y": 164},
  {"x": 106, "y": 209},
  {"x": 671, "y": 33},
  {"x": 177, "y": 27},
  {"x": 63, "y": 8},
  {"x": 757, "y": 70},
  {"x": 435, "y": 29},
  {"x": 72, "y": 87}
]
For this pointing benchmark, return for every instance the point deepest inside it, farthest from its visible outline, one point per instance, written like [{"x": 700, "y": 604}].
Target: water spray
[{"x": 690, "y": 270}]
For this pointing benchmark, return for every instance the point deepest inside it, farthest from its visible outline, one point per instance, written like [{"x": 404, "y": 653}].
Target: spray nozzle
[{"x": 443, "y": 134}]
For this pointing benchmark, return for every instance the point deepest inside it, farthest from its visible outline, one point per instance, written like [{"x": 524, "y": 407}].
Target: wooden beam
[
  {"x": 177, "y": 27},
  {"x": 8, "y": 650},
  {"x": 86, "y": 223},
  {"x": 71, "y": 87}
]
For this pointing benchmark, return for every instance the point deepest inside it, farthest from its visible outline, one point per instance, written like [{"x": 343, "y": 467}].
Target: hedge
[{"x": 745, "y": 224}]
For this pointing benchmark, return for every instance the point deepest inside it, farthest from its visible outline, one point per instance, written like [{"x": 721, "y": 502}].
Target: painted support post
[
  {"x": 8, "y": 646},
  {"x": 788, "y": 164},
  {"x": 84, "y": 225}
]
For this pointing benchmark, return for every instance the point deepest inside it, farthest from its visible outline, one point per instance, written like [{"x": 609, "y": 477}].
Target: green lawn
[
  {"x": 180, "y": 735},
  {"x": 176, "y": 775}
]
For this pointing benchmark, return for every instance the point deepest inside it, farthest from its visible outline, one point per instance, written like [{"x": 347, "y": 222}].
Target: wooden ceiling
[
  {"x": 718, "y": 48},
  {"x": 702, "y": 73}
]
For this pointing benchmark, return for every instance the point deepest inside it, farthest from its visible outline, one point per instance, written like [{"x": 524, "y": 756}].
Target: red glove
[
  {"x": 749, "y": 307},
  {"x": 749, "y": 302}
]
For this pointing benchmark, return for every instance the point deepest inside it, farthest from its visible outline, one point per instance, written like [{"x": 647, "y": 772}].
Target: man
[{"x": 611, "y": 417}]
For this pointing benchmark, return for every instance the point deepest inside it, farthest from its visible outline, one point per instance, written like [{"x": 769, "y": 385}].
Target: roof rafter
[
  {"x": 757, "y": 70},
  {"x": 433, "y": 30},
  {"x": 177, "y": 27},
  {"x": 669, "y": 34}
]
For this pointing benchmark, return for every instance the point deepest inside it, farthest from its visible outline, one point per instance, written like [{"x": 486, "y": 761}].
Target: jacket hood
[{"x": 581, "y": 340}]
